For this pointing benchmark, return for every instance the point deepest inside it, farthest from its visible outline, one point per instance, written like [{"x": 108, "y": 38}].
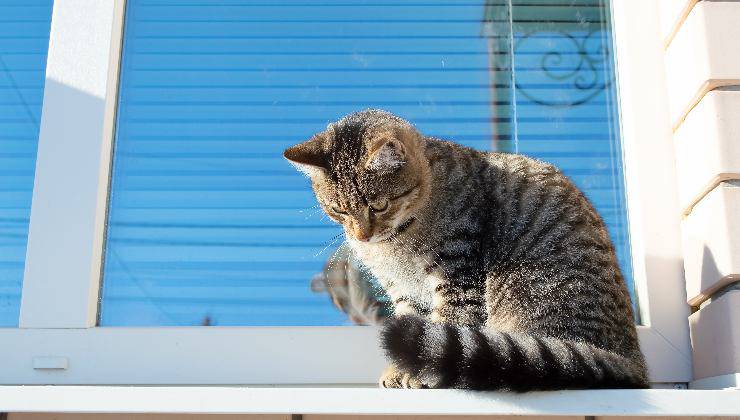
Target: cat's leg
[
  {"x": 392, "y": 377},
  {"x": 405, "y": 305},
  {"x": 457, "y": 299},
  {"x": 404, "y": 300}
]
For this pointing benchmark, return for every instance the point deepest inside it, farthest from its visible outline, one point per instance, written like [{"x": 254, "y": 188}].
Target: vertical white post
[
  {"x": 652, "y": 194},
  {"x": 63, "y": 258}
]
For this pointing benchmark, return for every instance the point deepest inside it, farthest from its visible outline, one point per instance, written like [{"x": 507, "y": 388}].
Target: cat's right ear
[{"x": 308, "y": 157}]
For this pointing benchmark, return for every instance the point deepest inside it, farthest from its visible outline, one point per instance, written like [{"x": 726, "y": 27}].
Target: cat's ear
[
  {"x": 387, "y": 155},
  {"x": 308, "y": 157}
]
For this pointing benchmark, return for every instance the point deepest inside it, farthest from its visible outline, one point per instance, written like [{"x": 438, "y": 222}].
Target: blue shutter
[
  {"x": 207, "y": 222},
  {"x": 24, "y": 41}
]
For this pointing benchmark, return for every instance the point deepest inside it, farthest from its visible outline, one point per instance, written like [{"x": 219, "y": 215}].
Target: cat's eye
[
  {"x": 379, "y": 206},
  {"x": 338, "y": 210}
]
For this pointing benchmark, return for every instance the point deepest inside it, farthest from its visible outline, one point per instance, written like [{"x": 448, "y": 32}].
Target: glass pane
[
  {"x": 556, "y": 100},
  {"x": 208, "y": 225},
  {"x": 24, "y": 42}
]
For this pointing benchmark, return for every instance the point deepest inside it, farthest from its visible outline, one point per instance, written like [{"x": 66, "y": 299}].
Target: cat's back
[
  {"x": 521, "y": 168},
  {"x": 524, "y": 209},
  {"x": 527, "y": 184},
  {"x": 503, "y": 179},
  {"x": 503, "y": 164},
  {"x": 447, "y": 153}
]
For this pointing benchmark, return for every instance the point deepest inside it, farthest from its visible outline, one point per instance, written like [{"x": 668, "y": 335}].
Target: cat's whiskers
[
  {"x": 314, "y": 207},
  {"x": 334, "y": 258},
  {"x": 310, "y": 211},
  {"x": 331, "y": 241}
]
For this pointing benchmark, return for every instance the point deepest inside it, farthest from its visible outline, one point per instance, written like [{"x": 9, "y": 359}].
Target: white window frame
[{"x": 58, "y": 342}]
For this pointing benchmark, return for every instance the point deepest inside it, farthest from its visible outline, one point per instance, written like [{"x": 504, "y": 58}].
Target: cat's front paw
[{"x": 392, "y": 377}]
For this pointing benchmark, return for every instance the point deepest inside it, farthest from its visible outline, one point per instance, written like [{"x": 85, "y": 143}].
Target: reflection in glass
[
  {"x": 352, "y": 289},
  {"x": 208, "y": 225},
  {"x": 24, "y": 42}
]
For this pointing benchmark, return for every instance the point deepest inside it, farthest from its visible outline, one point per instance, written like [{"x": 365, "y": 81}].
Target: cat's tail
[{"x": 453, "y": 356}]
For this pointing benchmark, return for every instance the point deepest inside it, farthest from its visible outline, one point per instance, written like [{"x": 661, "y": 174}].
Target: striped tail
[{"x": 453, "y": 356}]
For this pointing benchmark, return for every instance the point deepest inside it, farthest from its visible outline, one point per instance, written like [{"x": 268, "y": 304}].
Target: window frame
[{"x": 62, "y": 278}]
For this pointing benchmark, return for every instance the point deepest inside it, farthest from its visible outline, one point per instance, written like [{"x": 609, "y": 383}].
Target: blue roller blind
[
  {"x": 207, "y": 223},
  {"x": 24, "y": 42}
]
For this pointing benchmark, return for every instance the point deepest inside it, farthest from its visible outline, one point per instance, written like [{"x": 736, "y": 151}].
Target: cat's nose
[
  {"x": 361, "y": 235},
  {"x": 361, "y": 230}
]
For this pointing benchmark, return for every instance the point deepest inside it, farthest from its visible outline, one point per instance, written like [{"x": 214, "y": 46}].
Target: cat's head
[{"x": 369, "y": 173}]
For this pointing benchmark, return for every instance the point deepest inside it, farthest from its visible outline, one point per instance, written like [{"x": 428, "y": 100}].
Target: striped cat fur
[{"x": 501, "y": 272}]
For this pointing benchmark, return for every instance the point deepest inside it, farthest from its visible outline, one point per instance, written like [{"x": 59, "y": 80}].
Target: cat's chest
[{"x": 402, "y": 272}]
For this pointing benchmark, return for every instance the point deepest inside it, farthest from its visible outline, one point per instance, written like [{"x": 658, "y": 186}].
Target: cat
[
  {"x": 352, "y": 289},
  {"x": 501, "y": 273}
]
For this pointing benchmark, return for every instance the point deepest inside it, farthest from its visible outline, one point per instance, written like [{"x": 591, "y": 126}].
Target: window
[
  {"x": 207, "y": 222},
  {"x": 24, "y": 41},
  {"x": 191, "y": 190}
]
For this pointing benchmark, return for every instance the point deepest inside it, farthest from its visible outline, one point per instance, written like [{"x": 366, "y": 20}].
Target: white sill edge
[{"x": 346, "y": 400}]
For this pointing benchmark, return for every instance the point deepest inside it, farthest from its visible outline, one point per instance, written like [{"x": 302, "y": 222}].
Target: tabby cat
[{"x": 501, "y": 273}]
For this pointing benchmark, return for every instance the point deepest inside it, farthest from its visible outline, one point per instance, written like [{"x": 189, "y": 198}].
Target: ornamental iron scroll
[{"x": 574, "y": 68}]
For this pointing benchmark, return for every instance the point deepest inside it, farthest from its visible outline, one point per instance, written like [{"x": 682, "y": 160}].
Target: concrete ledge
[
  {"x": 342, "y": 400},
  {"x": 731, "y": 381}
]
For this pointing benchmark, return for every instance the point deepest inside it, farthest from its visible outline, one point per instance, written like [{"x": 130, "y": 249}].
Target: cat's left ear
[
  {"x": 308, "y": 157},
  {"x": 387, "y": 155}
]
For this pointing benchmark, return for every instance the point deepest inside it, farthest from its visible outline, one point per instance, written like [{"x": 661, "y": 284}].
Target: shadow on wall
[
  {"x": 711, "y": 277},
  {"x": 709, "y": 271}
]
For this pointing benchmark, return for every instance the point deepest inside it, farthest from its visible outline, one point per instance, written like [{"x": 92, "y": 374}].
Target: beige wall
[{"x": 702, "y": 40}]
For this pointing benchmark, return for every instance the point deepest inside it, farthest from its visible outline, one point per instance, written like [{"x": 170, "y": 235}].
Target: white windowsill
[{"x": 361, "y": 400}]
